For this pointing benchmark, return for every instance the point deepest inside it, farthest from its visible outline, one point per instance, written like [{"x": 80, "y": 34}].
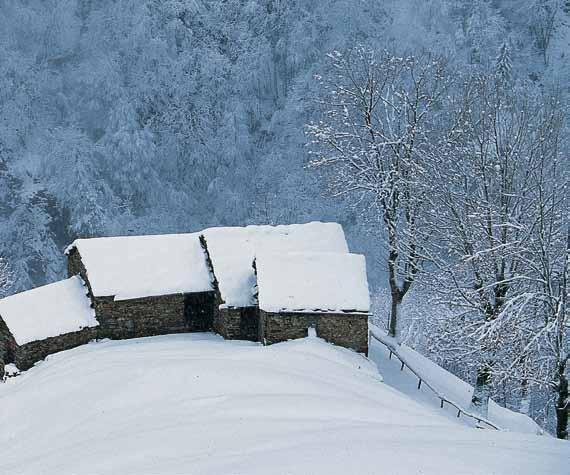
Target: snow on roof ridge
[
  {"x": 77, "y": 241},
  {"x": 49, "y": 310},
  {"x": 232, "y": 251},
  {"x": 74, "y": 243}
]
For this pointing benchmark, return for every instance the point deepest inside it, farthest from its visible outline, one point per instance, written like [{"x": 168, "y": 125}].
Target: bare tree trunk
[
  {"x": 482, "y": 390},
  {"x": 397, "y": 292},
  {"x": 393, "y": 324},
  {"x": 562, "y": 403}
]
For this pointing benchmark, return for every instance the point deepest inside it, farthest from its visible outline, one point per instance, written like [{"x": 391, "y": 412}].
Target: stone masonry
[
  {"x": 344, "y": 329},
  {"x": 25, "y": 356},
  {"x": 30, "y": 353},
  {"x": 75, "y": 267},
  {"x": 7, "y": 347},
  {"x": 147, "y": 316},
  {"x": 232, "y": 323},
  {"x": 237, "y": 323},
  {"x": 140, "y": 317}
]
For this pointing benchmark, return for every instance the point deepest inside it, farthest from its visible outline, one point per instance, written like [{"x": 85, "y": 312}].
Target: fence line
[{"x": 443, "y": 400}]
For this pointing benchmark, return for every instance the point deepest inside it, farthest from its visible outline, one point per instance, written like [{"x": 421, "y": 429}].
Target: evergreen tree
[{"x": 504, "y": 65}]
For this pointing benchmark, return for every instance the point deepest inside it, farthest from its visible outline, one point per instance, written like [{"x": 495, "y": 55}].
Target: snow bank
[
  {"x": 196, "y": 404},
  {"x": 48, "y": 311},
  {"x": 130, "y": 267},
  {"x": 325, "y": 282},
  {"x": 445, "y": 383},
  {"x": 232, "y": 251}
]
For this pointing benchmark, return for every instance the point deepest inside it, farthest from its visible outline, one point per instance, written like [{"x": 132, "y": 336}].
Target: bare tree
[
  {"x": 543, "y": 24},
  {"x": 486, "y": 219},
  {"x": 548, "y": 349},
  {"x": 553, "y": 353},
  {"x": 380, "y": 116}
]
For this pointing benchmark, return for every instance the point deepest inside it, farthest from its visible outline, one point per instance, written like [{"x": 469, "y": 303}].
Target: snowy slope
[
  {"x": 445, "y": 383},
  {"x": 195, "y": 404}
]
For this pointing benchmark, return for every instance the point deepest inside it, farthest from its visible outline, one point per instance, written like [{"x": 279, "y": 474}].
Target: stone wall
[
  {"x": 227, "y": 323},
  {"x": 224, "y": 323},
  {"x": 7, "y": 347},
  {"x": 75, "y": 267},
  {"x": 344, "y": 329},
  {"x": 147, "y": 316},
  {"x": 180, "y": 313},
  {"x": 237, "y": 323},
  {"x": 140, "y": 317},
  {"x": 30, "y": 353}
]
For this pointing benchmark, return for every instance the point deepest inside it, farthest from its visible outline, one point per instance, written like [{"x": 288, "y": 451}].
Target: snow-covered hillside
[
  {"x": 169, "y": 116},
  {"x": 196, "y": 404},
  {"x": 443, "y": 383}
]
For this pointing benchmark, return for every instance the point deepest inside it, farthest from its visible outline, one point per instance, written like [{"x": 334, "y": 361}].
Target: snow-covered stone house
[
  {"x": 259, "y": 283},
  {"x": 145, "y": 285},
  {"x": 45, "y": 320},
  {"x": 324, "y": 291},
  {"x": 231, "y": 254}
]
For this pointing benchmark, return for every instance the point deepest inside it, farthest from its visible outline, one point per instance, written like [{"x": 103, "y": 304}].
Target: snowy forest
[{"x": 435, "y": 132}]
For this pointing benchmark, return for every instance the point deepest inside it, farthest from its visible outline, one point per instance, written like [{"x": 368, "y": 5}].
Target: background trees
[
  {"x": 470, "y": 181},
  {"x": 378, "y": 135},
  {"x": 489, "y": 211},
  {"x": 4, "y": 276},
  {"x": 548, "y": 351},
  {"x": 544, "y": 24},
  {"x": 211, "y": 96}
]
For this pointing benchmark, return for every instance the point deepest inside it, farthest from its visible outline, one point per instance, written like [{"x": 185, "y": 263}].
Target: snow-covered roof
[
  {"x": 130, "y": 267},
  {"x": 233, "y": 250},
  {"x": 314, "y": 236},
  {"x": 232, "y": 257},
  {"x": 48, "y": 311},
  {"x": 312, "y": 282}
]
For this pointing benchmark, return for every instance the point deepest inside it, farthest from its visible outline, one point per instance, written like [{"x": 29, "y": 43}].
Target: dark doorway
[{"x": 199, "y": 311}]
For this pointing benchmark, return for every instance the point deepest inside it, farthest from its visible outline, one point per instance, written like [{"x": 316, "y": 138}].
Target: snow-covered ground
[{"x": 196, "y": 404}]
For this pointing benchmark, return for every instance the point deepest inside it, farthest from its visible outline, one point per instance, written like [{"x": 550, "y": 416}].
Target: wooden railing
[{"x": 393, "y": 349}]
